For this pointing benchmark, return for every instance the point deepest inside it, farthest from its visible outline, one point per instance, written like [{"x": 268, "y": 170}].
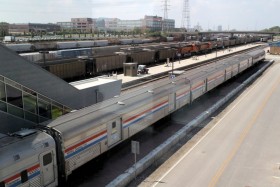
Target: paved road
[{"x": 242, "y": 148}]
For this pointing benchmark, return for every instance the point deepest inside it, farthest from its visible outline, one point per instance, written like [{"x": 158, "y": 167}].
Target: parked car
[{"x": 142, "y": 69}]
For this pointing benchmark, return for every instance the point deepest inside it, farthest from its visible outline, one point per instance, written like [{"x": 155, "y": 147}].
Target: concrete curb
[{"x": 125, "y": 178}]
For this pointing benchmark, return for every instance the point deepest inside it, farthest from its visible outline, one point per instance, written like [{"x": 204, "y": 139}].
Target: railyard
[
  {"x": 61, "y": 123},
  {"x": 156, "y": 134},
  {"x": 139, "y": 93}
]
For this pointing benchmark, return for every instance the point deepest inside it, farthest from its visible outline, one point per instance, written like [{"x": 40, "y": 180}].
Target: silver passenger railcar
[
  {"x": 84, "y": 134},
  {"x": 28, "y": 158}
]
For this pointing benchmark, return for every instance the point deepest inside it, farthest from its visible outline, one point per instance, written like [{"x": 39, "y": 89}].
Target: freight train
[
  {"x": 97, "y": 61},
  {"x": 39, "y": 46},
  {"x": 49, "y": 153}
]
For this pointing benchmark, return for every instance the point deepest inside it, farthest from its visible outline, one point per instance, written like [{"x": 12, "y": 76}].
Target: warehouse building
[{"x": 152, "y": 23}]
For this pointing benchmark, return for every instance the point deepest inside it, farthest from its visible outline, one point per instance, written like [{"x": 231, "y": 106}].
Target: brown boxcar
[
  {"x": 108, "y": 63},
  {"x": 68, "y": 70},
  {"x": 165, "y": 53}
]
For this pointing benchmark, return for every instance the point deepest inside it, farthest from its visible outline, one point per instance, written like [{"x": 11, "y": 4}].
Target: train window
[
  {"x": 114, "y": 130},
  {"x": 47, "y": 159},
  {"x": 24, "y": 176},
  {"x": 2, "y": 184},
  {"x": 113, "y": 125}
]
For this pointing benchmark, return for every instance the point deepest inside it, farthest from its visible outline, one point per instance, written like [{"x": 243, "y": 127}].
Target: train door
[
  {"x": 172, "y": 102},
  {"x": 114, "y": 131},
  {"x": 47, "y": 168},
  {"x": 238, "y": 68},
  {"x": 204, "y": 86}
]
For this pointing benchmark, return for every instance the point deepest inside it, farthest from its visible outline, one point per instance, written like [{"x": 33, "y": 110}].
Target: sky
[{"x": 230, "y": 14}]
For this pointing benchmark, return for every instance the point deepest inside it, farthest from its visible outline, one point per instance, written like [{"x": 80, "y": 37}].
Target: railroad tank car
[{"x": 70, "y": 141}]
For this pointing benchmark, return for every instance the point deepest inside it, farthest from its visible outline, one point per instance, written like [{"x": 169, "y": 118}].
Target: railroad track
[{"x": 164, "y": 75}]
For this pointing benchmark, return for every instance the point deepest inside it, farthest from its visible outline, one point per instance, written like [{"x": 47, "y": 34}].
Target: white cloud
[{"x": 239, "y": 14}]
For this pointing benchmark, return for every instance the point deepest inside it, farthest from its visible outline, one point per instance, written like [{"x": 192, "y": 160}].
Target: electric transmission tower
[
  {"x": 186, "y": 20},
  {"x": 165, "y": 15}
]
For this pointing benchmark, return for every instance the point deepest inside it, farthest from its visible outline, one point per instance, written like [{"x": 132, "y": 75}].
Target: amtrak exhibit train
[{"x": 47, "y": 154}]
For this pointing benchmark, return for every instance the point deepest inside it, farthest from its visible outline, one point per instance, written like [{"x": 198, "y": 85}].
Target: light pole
[
  {"x": 179, "y": 54},
  {"x": 216, "y": 50},
  {"x": 44, "y": 56}
]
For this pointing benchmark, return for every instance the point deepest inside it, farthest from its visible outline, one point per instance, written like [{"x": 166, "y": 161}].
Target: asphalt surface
[{"x": 240, "y": 149}]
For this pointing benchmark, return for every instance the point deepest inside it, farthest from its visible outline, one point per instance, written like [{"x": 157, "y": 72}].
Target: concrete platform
[{"x": 177, "y": 64}]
